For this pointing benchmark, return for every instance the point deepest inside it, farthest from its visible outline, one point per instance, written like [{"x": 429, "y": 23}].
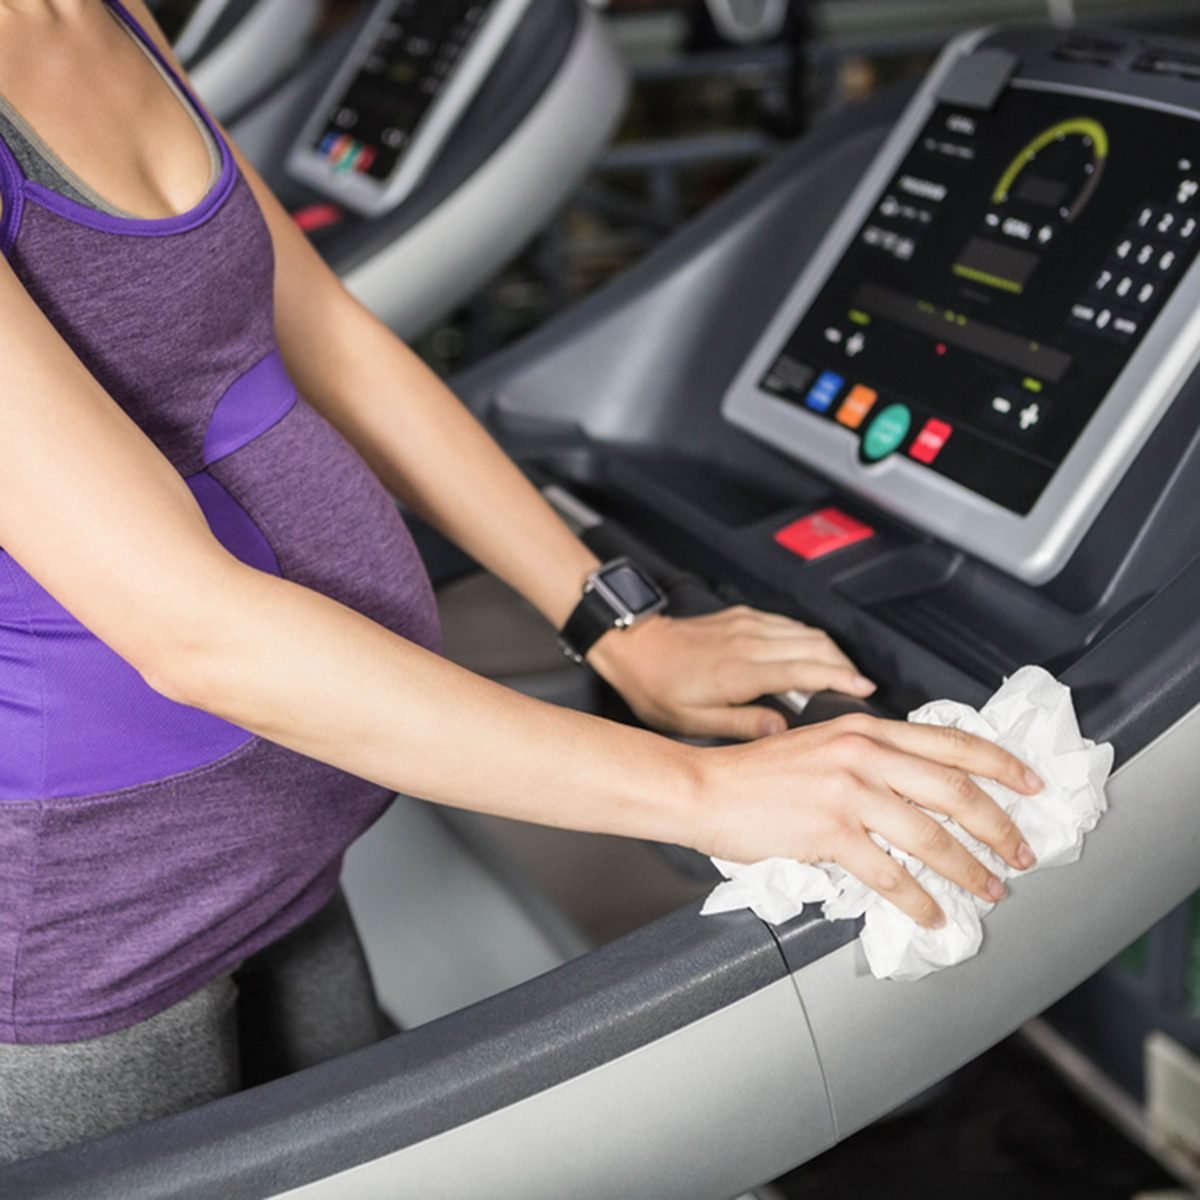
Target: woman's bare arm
[
  {"x": 95, "y": 513},
  {"x": 696, "y": 676}
]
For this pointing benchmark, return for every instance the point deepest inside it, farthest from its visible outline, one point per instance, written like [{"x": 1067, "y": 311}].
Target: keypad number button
[{"x": 1123, "y": 328}]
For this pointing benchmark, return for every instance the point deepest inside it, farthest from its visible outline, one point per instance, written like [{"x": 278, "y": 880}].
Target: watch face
[{"x": 637, "y": 593}]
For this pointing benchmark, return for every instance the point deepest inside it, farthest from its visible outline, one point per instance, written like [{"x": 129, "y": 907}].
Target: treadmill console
[
  {"x": 407, "y": 81},
  {"x": 1000, "y": 316}
]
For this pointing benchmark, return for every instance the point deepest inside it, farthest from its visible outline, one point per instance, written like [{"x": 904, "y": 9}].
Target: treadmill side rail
[
  {"x": 667, "y": 980},
  {"x": 702, "y": 1113},
  {"x": 1046, "y": 938}
]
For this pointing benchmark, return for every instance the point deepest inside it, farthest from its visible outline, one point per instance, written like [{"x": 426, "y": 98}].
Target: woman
[{"x": 218, "y": 647}]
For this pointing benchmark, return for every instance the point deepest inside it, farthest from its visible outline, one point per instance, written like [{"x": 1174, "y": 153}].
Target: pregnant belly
[
  {"x": 76, "y": 720},
  {"x": 331, "y": 525},
  {"x": 146, "y": 846}
]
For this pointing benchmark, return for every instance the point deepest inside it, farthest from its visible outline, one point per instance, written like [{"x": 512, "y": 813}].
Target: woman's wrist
[
  {"x": 565, "y": 590},
  {"x": 615, "y": 655},
  {"x": 680, "y": 812}
]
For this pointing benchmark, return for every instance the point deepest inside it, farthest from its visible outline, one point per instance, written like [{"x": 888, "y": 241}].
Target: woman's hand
[
  {"x": 817, "y": 794},
  {"x": 696, "y": 675}
]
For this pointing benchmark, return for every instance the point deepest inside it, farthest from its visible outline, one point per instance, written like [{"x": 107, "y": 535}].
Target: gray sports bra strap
[
  {"x": 36, "y": 164},
  {"x": 40, "y": 164}
]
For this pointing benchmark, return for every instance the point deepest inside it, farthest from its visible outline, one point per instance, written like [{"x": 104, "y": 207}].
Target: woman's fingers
[
  {"x": 743, "y": 723},
  {"x": 859, "y": 776},
  {"x": 758, "y": 630},
  {"x": 688, "y": 674},
  {"x": 879, "y": 871},
  {"x": 746, "y": 680},
  {"x": 952, "y": 791},
  {"x": 771, "y": 625},
  {"x": 805, "y": 659},
  {"x": 798, "y": 647},
  {"x": 909, "y": 829},
  {"x": 956, "y": 748}
]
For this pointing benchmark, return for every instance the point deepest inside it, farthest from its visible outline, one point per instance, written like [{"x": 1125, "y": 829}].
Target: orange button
[{"x": 856, "y": 406}]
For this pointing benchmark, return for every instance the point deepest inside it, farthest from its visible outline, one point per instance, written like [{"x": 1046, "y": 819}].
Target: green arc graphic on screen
[{"x": 1082, "y": 127}]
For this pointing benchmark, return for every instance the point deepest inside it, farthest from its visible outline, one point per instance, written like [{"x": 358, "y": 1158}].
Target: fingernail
[
  {"x": 1025, "y": 856},
  {"x": 863, "y": 684},
  {"x": 938, "y": 922},
  {"x": 996, "y": 889},
  {"x": 771, "y": 725},
  {"x": 1033, "y": 781}
]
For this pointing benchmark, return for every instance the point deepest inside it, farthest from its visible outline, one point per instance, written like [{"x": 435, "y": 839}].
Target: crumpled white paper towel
[{"x": 1032, "y": 716}]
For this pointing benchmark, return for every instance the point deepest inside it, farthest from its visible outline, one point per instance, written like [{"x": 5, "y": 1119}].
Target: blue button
[{"x": 824, "y": 392}]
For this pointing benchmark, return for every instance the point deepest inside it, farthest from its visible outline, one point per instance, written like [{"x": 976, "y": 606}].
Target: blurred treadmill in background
[
  {"x": 748, "y": 20},
  {"x": 500, "y": 138},
  {"x": 235, "y": 51}
]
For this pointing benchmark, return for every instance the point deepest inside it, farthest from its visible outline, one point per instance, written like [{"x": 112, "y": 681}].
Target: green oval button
[{"x": 886, "y": 432}]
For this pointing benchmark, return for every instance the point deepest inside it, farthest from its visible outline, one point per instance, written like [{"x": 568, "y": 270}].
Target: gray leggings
[{"x": 302, "y": 1000}]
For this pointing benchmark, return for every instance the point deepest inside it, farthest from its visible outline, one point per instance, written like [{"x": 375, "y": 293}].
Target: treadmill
[
  {"x": 426, "y": 143},
  {"x": 689, "y": 413},
  {"x": 235, "y": 51}
]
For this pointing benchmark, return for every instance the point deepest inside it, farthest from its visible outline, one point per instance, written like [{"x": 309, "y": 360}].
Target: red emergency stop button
[
  {"x": 822, "y": 533},
  {"x": 929, "y": 442}
]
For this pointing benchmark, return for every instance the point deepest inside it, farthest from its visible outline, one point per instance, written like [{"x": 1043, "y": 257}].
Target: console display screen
[
  {"x": 414, "y": 52},
  {"x": 1005, "y": 275}
]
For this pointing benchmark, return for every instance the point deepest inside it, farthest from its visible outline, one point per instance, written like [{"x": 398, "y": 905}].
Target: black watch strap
[{"x": 592, "y": 619}]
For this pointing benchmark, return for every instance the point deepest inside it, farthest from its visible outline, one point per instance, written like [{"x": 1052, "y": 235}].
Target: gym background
[{"x": 712, "y": 103}]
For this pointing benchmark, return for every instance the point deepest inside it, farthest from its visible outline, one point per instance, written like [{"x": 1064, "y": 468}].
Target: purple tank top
[{"x": 146, "y": 847}]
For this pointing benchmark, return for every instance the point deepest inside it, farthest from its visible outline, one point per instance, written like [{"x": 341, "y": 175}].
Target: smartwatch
[{"x": 615, "y": 596}]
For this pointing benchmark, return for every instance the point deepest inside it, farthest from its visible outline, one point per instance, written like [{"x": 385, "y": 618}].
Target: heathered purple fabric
[
  {"x": 331, "y": 524},
  {"x": 74, "y": 721},
  {"x": 254, "y": 402},
  {"x": 166, "y": 324},
  {"x": 185, "y": 879},
  {"x": 74, "y": 717},
  {"x": 115, "y": 902},
  {"x": 232, "y": 526}
]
